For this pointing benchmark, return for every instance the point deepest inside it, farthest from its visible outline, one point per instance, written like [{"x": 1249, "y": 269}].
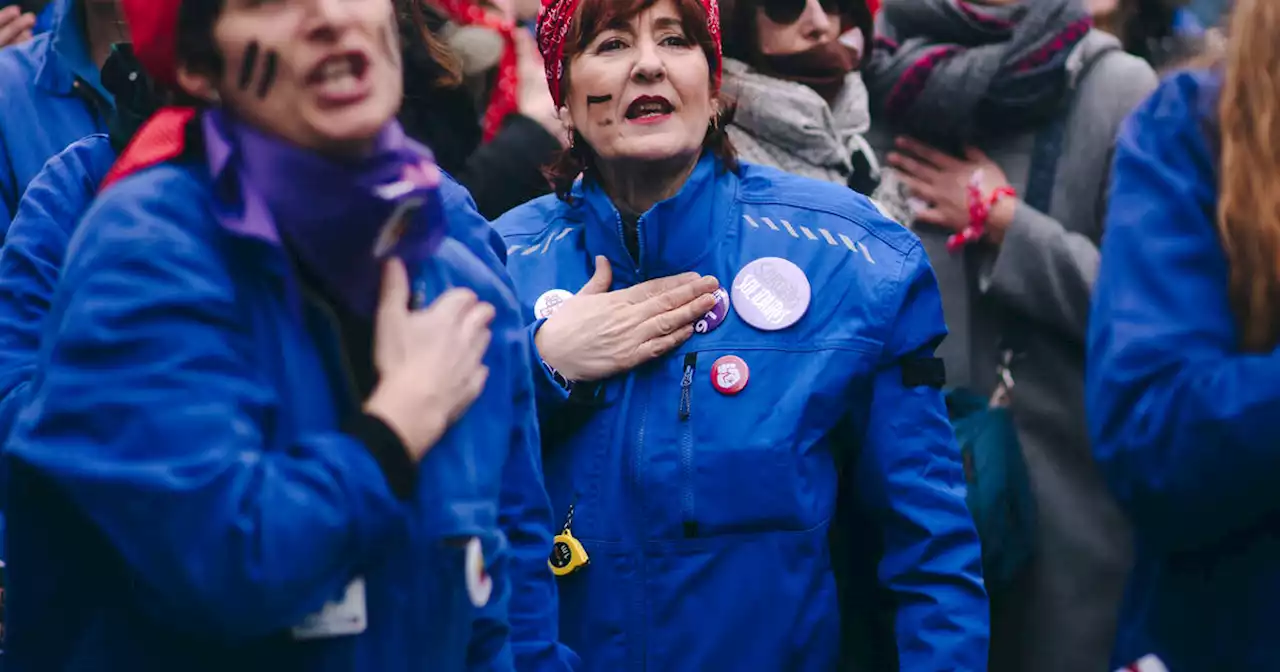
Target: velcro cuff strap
[{"x": 922, "y": 372}]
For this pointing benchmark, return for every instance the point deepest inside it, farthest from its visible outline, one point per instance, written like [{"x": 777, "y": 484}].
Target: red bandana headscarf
[
  {"x": 553, "y": 28},
  {"x": 502, "y": 100}
]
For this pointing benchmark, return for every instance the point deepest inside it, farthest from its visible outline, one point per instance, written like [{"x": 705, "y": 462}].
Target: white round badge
[
  {"x": 550, "y": 302},
  {"x": 479, "y": 584},
  {"x": 771, "y": 293}
]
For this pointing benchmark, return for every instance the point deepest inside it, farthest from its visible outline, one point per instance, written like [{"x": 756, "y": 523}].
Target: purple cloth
[{"x": 334, "y": 216}]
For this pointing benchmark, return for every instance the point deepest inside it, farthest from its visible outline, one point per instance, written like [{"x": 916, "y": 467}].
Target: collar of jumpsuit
[
  {"x": 674, "y": 234},
  {"x": 65, "y": 59}
]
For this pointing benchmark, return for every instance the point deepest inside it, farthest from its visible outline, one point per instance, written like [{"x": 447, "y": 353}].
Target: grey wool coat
[{"x": 1060, "y": 616}]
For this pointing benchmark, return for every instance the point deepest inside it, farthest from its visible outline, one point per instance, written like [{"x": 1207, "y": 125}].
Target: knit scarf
[{"x": 952, "y": 71}]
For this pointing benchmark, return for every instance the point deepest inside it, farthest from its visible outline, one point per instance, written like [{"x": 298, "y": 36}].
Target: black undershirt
[{"x": 358, "y": 376}]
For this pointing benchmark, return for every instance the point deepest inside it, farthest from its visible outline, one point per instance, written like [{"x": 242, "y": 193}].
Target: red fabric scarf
[{"x": 502, "y": 100}]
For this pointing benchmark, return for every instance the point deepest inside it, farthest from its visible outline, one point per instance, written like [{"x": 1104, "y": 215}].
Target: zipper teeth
[{"x": 686, "y": 443}]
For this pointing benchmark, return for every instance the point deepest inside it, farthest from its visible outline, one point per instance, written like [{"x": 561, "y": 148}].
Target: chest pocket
[{"x": 755, "y": 436}]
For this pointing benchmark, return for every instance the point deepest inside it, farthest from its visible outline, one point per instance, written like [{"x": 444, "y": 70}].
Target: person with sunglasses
[
  {"x": 791, "y": 73},
  {"x": 282, "y": 415},
  {"x": 696, "y": 486},
  {"x": 997, "y": 121}
]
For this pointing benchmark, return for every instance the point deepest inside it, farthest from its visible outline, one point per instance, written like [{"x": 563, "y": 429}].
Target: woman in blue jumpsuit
[
  {"x": 696, "y": 490},
  {"x": 242, "y": 450},
  {"x": 1184, "y": 371}
]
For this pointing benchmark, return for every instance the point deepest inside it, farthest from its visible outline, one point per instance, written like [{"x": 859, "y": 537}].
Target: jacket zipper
[
  {"x": 690, "y": 524},
  {"x": 637, "y": 456}
]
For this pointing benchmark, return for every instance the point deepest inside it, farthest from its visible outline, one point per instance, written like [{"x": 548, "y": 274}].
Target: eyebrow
[
  {"x": 666, "y": 22},
  {"x": 669, "y": 22}
]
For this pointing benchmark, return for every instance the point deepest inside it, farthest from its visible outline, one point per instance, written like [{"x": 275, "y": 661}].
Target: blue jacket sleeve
[
  {"x": 911, "y": 482},
  {"x": 526, "y": 519},
  {"x": 550, "y": 395},
  {"x": 148, "y": 415},
  {"x": 1184, "y": 425},
  {"x": 32, "y": 257},
  {"x": 469, "y": 227}
]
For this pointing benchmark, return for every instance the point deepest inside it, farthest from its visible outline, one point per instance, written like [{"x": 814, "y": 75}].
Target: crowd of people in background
[{"x": 639, "y": 334}]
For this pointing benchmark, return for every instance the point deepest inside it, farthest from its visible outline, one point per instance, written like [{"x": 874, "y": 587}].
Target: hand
[
  {"x": 942, "y": 181},
  {"x": 428, "y": 361},
  {"x": 15, "y": 27},
  {"x": 532, "y": 95},
  {"x": 599, "y": 333}
]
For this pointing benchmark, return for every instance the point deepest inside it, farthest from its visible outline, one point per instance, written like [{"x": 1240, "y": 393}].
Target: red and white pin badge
[
  {"x": 479, "y": 583},
  {"x": 729, "y": 375}
]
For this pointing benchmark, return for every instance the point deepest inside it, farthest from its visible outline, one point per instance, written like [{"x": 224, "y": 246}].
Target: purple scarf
[{"x": 340, "y": 220}]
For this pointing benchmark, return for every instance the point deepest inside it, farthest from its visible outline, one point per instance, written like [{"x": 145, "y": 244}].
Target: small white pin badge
[
  {"x": 550, "y": 302},
  {"x": 479, "y": 583}
]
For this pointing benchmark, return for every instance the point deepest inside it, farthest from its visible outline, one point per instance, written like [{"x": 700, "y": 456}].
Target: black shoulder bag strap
[{"x": 1042, "y": 177}]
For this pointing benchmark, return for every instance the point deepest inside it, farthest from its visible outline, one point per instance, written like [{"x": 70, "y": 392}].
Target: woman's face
[
  {"x": 815, "y": 25},
  {"x": 641, "y": 90},
  {"x": 322, "y": 74}
]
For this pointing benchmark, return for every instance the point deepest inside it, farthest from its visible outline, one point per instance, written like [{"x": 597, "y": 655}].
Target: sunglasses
[{"x": 787, "y": 12}]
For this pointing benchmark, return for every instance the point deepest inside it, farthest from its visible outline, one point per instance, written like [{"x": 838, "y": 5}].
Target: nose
[
  {"x": 327, "y": 18},
  {"x": 815, "y": 22},
  {"x": 649, "y": 66}
]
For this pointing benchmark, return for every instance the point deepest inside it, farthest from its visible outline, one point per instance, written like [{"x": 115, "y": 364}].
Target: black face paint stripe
[
  {"x": 268, "y": 74},
  {"x": 594, "y": 100},
  {"x": 248, "y": 65}
]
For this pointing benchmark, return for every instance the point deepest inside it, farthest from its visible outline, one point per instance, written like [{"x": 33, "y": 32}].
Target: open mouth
[
  {"x": 649, "y": 107},
  {"x": 340, "y": 74}
]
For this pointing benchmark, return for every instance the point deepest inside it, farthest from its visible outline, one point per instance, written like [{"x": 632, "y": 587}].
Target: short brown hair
[{"x": 591, "y": 17}]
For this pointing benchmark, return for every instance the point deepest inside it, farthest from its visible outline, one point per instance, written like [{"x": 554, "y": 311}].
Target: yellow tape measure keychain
[{"x": 567, "y": 553}]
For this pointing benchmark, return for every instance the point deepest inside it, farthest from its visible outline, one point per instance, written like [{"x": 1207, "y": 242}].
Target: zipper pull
[{"x": 686, "y": 385}]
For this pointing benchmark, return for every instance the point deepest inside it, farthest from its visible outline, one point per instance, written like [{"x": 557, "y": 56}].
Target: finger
[
  {"x": 975, "y": 155},
  {"x": 475, "y": 383},
  {"x": 660, "y": 346},
  {"x": 471, "y": 353},
  {"x": 476, "y": 321},
  {"x": 910, "y": 166},
  {"x": 10, "y": 32},
  {"x": 679, "y": 295},
  {"x": 672, "y": 320},
  {"x": 9, "y": 14},
  {"x": 651, "y": 289},
  {"x": 936, "y": 217},
  {"x": 393, "y": 300},
  {"x": 452, "y": 304},
  {"x": 940, "y": 159},
  {"x": 600, "y": 280},
  {"x": 469, "y": 391},
  {"x": 919, "y": 188}
]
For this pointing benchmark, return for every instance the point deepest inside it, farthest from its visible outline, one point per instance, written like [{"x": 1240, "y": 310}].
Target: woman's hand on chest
[{"x": 600, "y": 333}]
